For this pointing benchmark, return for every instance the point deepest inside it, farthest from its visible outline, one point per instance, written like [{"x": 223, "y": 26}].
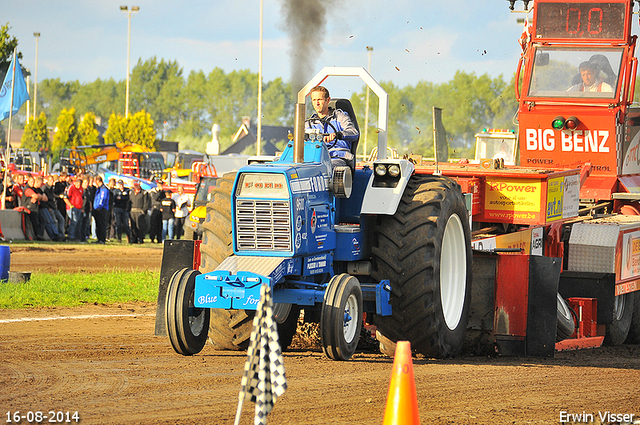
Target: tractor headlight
[
  {"x": 394, "y": 170},
  {"x": 381, "y": 169},
  {"x": 387, "y": 174}
]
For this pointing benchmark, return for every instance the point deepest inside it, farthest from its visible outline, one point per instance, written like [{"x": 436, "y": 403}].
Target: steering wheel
[{"x": 335, "y": 130}]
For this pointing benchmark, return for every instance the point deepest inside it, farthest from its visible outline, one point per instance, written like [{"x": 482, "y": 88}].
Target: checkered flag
[{"x": 264, "y": 378}]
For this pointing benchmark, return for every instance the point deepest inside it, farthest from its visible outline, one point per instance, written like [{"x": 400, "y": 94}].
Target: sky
[{"x": 412, "y": 41}]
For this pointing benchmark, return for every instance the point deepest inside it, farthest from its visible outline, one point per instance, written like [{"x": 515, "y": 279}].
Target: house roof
[
  {"x": 246, "y": 136},
  {"x": 16, "y": 138}
]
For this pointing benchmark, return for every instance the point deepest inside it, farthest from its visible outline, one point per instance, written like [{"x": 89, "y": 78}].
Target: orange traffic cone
[{"x": 402, "y": 401}]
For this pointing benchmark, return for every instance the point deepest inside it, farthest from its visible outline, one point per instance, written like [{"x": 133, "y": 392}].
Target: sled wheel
[
  {"x": 187, "y": 325},
  {"x": 634, "y": 330},
  {"x": 565, "y": 324},
  {"x": 424, "y": 249},
  {"x": 341, "y": 317},
  {"x": 616, "y": 332}
]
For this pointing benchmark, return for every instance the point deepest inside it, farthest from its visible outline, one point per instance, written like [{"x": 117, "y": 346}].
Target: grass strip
[{"x": 74, "y": 289}]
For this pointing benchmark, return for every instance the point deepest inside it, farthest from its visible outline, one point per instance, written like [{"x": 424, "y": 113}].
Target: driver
[
  {"x": 590, "y": 82},
  {"x": 336, "y": 122}
]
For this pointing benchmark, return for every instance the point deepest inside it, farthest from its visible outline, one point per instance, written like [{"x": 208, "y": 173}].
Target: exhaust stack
[{"x": 298, "y": 133}]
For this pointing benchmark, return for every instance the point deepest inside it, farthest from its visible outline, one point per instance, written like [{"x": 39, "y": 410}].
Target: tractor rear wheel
[
  {"x": 425, "y": 251},
  {"x": 231, "y": 329}
]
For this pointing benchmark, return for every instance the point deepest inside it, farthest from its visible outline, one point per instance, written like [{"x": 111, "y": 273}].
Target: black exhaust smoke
[{"x": 305, "y": 21}]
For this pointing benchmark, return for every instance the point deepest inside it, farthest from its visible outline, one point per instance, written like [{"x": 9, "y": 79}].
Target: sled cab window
[
  {"x": 575, "y": 72},
  {"x": 205, "y": 189}
]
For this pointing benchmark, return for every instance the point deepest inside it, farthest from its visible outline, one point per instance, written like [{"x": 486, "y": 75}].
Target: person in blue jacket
[
  {"x": 101, "y": 209},
  {"x": 336, "y": 122}
]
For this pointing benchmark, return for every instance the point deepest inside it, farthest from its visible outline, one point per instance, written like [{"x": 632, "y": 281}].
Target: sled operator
[
  {"x": 590, "y": 82},
  {"x": 343, "y": 132}
]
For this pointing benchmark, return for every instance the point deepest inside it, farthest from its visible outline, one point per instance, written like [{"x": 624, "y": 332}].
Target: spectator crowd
[{"x": 82, "y": 207}]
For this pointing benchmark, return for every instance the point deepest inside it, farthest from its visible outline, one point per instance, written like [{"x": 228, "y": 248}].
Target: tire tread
[{"x": 405, "y": 252}]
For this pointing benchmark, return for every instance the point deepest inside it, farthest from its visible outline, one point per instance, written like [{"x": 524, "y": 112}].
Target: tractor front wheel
[
  {"x": 186, "y": 324},
  {"x": 341, "y": 317}
]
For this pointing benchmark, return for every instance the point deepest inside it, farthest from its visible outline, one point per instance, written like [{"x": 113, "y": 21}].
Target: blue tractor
[{"x": 337, "y": 243}]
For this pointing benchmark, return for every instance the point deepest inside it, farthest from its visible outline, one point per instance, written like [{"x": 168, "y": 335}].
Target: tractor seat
[{"x": 345, "y": 106}]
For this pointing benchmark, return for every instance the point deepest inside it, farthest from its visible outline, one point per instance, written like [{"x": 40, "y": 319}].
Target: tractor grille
[{"x": 263, "y": 225}]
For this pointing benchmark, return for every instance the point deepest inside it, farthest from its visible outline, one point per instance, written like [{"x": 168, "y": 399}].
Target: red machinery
[{"x": 574, "y": 197}]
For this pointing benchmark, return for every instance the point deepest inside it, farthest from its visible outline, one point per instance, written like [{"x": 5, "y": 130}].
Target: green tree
[
  {"x": 55, "y": 95},
  {"x": 467, "y": 102},
  {"x": 66, "y": 134},
  {"x": 36, "y": 135},
  {"x": 194, "y": 123},
  {"x": 400, "y": 106},
  {"x": 420, "y": 119},
  {"x": 190, "y": 107},
  {"x": 116, "y": 130},
  {"x": 101, "y": 97},
  {"x": 7, "y": 46},
  {"x": 229, "y": 98},
  {"x": 277, "y": 103},
  {"x": 87, "y": 132},
  {"x": 156, "y": 87},
  {"x": 140, "y": 129},
  {"x": 505, "y": 107},
  {"x": 225, "y": 99}
]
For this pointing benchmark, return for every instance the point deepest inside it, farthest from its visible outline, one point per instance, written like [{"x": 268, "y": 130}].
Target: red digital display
[{"x": 590, "y": 21}]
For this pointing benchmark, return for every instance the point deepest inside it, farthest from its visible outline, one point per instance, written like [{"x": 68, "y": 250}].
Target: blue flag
[{"x": 20, "y": 93}]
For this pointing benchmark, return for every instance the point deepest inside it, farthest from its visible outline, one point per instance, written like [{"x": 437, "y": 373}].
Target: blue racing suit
[{"x": 347, "y": 134}]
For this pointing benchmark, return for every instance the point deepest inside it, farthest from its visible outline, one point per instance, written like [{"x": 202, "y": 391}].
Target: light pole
[
  {"x": 29, "y": 93},
  {"x": 366, "y": 108},
  {"x": 35, "y": 82},
  {"x": 126, "y": 96},
  {"x": 259, "y": 130}
]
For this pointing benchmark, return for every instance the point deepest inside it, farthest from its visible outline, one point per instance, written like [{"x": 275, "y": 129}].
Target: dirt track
[
  {"x": 105, "y": 363},
  {"x": 86, "y": 257}
]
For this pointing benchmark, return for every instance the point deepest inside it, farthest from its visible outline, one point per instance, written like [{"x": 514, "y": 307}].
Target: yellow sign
[
  {"x": 529, "y": 241},
  {"x": 630, "y": 267},
  {"x": 555, "y": 197},
  {"x": 512, "y": 195}
]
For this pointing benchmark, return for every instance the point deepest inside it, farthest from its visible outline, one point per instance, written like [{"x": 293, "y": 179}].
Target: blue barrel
[{"x": 5, "y": 262}]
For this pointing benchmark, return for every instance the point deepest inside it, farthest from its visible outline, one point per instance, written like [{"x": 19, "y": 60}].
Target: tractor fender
[{"x": 384, "y": 191}]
